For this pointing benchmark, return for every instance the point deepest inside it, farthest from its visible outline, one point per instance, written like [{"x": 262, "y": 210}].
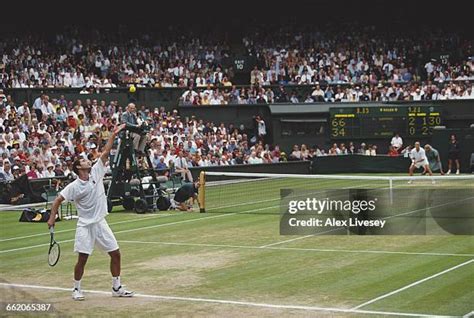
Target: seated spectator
[
  {"x": 406, "y": 151},
  {"x": 362, "y": 149},
  {"x": 33, "y": 173},
  {"x": 371, "y": 150},
  {"x": 7, "y": 171},
  {"x": 351, "y": 148},
  {"x": 16, "y": 171},
  {"x": 392, "y": 152},
  {"x": 318, "y": 94},
  {"x": 295, "y": 154},
  {"x": 182, "y": 167},
  {"x": 58, "y": 170},
  {"x": 253, "y": 159},
  {"x": 304, "y": 152},
  {"x": 397, "y": 142},
  {"x": 335, "y": 151},
  {"x": 49, "y": 173},
  {"x": 343, "y": 149}
]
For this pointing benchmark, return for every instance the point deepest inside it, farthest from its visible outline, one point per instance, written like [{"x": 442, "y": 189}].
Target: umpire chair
[{"x": 135, "y": 184}]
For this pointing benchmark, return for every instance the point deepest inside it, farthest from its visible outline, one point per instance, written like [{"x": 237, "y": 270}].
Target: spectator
[
  {"x": 7, "y": 170},
  {"x": 261, "y": 128},
  {"x": 49, "y": 173},
  {"x": 371, "y": 150},
  {"x": 16, "y": 172},
  {"x": 295, "y": 154},
  {"x": 397, "y": 142},
  {"x": 318, "y": 94},
  {"x": 392, "y": 152},
  {"x": 254, "y": 159},
  {"x": 58, "y": 171},
  {"x": 294, "y": 99},
  {"x": 181, "y": 167},
  {"x": 33, "y": 173}
]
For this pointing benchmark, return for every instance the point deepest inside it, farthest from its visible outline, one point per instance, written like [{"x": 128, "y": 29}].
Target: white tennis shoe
[
  {"x": 122, "y": 292},
  {"x": 77, "y": 294}
]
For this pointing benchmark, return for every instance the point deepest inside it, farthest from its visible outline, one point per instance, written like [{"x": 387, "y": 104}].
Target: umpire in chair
[{"x": 130, "y": 118}]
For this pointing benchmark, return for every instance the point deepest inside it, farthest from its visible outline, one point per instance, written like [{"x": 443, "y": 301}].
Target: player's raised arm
[{"x": 110, "y": 142}]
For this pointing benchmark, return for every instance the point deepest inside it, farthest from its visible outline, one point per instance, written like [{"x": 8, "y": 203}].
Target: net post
[
  {"x": 202, "y": 192},
  {"x": 390, "y": 182}
]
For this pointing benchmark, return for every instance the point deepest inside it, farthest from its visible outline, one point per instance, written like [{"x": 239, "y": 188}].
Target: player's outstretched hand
[{"x": 117, "y": 129}]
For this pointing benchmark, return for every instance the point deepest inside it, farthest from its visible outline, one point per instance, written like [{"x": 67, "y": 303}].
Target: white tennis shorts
[
  {"x": 98, "y": 234},
  {"x": 421, "y": 164}
]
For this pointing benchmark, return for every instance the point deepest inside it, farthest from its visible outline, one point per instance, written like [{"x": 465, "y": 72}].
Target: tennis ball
[{"x": 132, "y": 89}]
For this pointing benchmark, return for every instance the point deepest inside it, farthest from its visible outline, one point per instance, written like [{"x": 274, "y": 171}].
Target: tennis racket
[{"x": 54, "y": 250}]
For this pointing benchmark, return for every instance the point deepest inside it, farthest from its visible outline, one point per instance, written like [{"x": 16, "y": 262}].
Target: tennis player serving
[
  {"x": 418, "y": 159},
  {"x": 88, "y": 193}
]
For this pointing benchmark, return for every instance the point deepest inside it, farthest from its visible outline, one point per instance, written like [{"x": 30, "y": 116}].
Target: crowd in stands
[
  {"x": 79, "y": 58},
  {"x": 308, "y": 53},
  {"x": 338, "y": 62},
  {"x": 353, "y": 93},
  {"x": 346, "y": 63},
  {"x": 43, "y": 140}
]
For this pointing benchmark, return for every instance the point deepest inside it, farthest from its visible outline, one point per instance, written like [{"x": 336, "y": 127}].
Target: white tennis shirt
[
  {"x": 89, "y": 196},
  {"x": 418, "y": 155}
]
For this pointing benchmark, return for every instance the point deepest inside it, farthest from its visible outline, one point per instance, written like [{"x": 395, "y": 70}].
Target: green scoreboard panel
[{"x": 383, "y": 121}]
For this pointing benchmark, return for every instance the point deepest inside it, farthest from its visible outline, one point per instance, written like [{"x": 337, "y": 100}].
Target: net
[{"x": 259, "y": 193}]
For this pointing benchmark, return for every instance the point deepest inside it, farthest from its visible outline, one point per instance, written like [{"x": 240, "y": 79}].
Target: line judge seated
[{"x": 181, "y": 166}]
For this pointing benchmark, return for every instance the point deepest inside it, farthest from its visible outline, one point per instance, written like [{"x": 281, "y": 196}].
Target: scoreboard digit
[
  {"x": 422, "y": 120},
  {"x": 338, "y": 126},
  {"x": 383, "y": 121}
]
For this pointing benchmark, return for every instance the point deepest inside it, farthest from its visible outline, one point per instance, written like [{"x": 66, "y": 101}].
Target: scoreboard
[{"x": 383, "y": 121}]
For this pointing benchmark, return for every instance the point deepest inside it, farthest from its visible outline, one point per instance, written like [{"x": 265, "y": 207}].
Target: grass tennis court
[{"x": 233, "y": 262}]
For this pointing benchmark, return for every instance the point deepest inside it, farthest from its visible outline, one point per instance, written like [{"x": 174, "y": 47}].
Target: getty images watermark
[{"x": 377, "y": 212}]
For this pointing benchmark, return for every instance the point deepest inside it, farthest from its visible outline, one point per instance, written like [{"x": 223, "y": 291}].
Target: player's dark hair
[{"x": 75, "y": 165}]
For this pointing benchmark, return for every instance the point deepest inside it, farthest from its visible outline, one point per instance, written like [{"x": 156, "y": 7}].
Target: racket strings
[{"x": 53, "y": 255}]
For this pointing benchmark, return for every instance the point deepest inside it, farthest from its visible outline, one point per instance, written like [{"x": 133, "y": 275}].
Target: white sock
[
  {"x": 116, "y": 282},
  {"x": 77, "y": 284}
]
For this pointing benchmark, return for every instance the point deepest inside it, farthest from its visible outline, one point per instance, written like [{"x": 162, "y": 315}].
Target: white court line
[
  {"x": 297, "y": 249},
  {"x": 469, "y": 315},
  {"x": 70, "y": 230},
  {"x": 231, "y": 302},
  {"x": 192, "y": 220},
  {"x": 412, "y": 284},
  {"x": 306, "y": 236},
  {"x": 385, "y": 218},
  {"x": 123, "y": 231},
  {"x": 136, "y": 220},
  {"x": 430, "y": 207},
  {"x": 142, "y": 228},
  {"x": 286, "y": 241}
]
